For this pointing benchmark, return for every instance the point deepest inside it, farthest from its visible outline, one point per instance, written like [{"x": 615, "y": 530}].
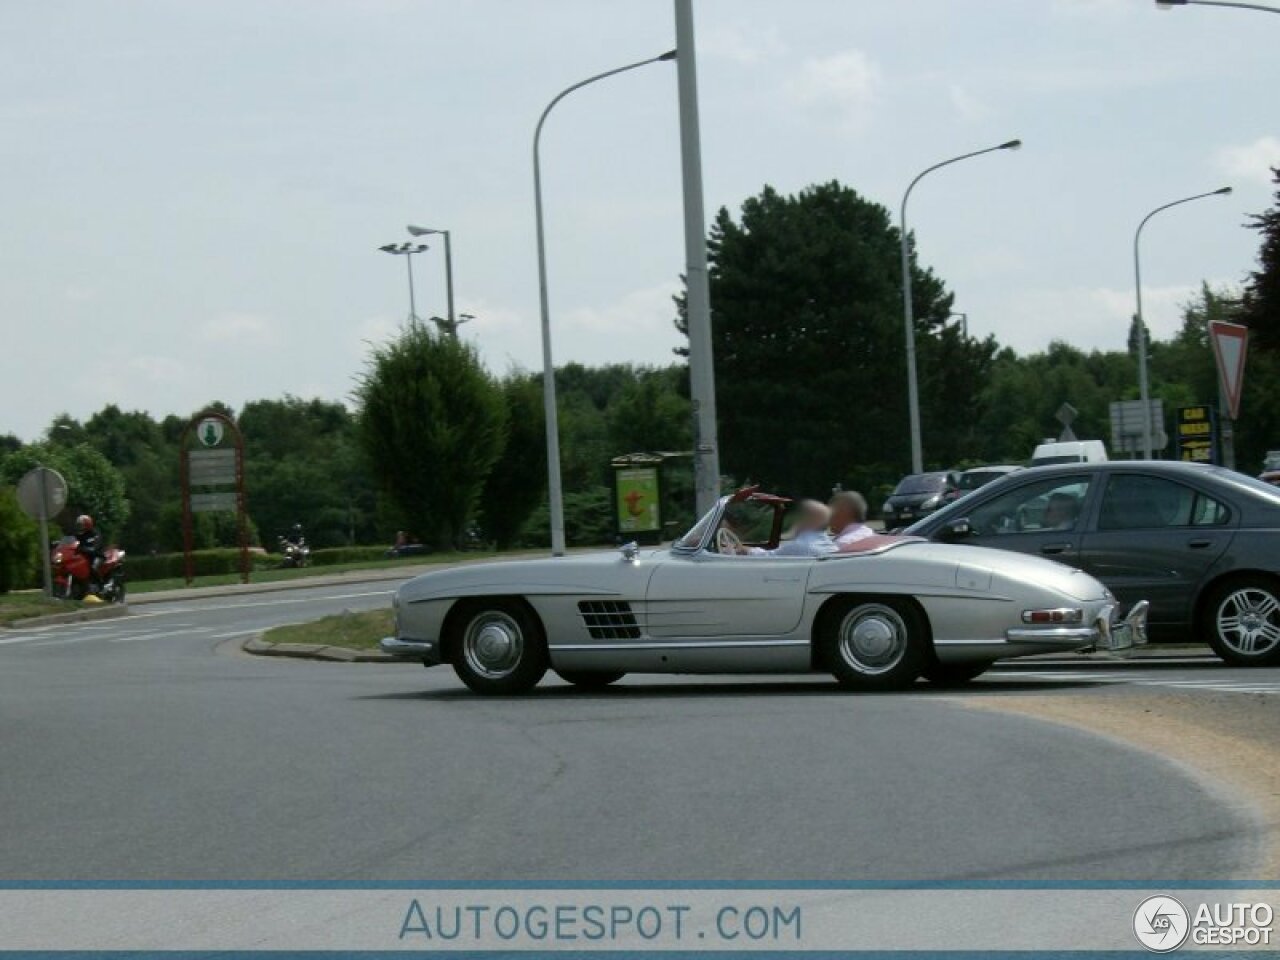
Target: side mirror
[
  {"x": 630, "y": 551},
  {"x": 957, "y": 529}
]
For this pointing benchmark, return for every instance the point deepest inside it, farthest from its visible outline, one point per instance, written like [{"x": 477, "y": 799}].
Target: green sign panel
[{"x": 637, "y": 503}]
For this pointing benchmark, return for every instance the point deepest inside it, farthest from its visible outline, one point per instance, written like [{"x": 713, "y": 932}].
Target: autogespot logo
[{"x": 1161, "y": 924}]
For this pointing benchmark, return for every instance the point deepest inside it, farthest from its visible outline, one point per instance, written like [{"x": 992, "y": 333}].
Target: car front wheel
[
  {"x": 874, "y": 643},
  {"x": 500, "y": 647},
  {"x": 1242, "y": 621}
]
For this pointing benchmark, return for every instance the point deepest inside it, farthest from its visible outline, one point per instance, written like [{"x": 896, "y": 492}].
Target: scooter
[
  {"x": 73, "y": 575},
  {"x": 295, "y": 552}
]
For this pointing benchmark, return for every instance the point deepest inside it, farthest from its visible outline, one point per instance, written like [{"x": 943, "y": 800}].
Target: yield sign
[{"x": 1230, "y": 341}]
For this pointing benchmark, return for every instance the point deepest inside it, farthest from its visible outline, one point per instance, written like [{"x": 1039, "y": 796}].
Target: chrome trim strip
[
  {"x": 676, "y": 645},
  {"x": 1053, "y": 635}
]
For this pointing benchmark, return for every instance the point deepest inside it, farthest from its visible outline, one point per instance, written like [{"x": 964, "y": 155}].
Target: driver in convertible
[{"x": 808, "y": 537}]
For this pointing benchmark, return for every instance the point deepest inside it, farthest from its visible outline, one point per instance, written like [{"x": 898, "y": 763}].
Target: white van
[{"x": 1069, "y": 451}]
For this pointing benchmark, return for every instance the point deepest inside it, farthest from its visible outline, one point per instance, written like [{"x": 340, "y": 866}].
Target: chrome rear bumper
[
  {"x": 428, "y": 651},
  {"x": 1108, "y": 633}
]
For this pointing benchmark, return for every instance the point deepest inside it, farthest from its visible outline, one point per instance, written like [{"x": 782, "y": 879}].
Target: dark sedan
[
  {"x": 915, "y": 496},
  {"x": 1201, "y": 543}
]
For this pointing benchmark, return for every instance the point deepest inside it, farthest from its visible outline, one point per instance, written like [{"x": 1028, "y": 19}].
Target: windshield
[
  {"x": 698, "y": 532},
  {"x": 921, "y": 483}
]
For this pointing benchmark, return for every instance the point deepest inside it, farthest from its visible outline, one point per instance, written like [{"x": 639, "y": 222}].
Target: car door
[
  {"x": 1040, "y": 517},
  {"x": 1155, "y": 539},
  {"x": 705, "y": 595}
]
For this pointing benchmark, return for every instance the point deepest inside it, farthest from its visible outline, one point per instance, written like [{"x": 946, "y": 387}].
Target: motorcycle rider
[
  {"x": 295, "y": 536},
  {"x": 89, "y": 543}
]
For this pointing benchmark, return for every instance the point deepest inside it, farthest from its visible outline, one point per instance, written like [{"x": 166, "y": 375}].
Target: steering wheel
[{"x": 727, "y": 541}]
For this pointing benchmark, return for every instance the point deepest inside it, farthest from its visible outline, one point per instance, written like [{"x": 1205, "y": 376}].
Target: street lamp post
[
  {"x": 1144, "y": 389},
  {"x": 913, "y": 390},
  {"x": 452, "y": 325},
  {"x": 406, "y": 250},
  {"x": 1170, "y": 4},
  {"x": 554, "y": 493}
]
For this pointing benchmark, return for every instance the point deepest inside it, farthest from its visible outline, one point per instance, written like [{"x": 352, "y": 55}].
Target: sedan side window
[
  {"x": 1053, "y": 504},
  {"x": 1134, "y": 502}
]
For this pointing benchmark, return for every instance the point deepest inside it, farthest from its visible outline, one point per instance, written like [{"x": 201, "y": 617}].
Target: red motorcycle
[{"x": 74, "y": 577}]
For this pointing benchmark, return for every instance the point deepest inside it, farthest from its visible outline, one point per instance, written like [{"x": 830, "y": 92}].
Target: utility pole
[{"x": 702, "y": 382}]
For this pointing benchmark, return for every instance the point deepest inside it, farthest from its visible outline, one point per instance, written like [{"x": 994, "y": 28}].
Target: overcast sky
[{"x": 194, "y": 193}]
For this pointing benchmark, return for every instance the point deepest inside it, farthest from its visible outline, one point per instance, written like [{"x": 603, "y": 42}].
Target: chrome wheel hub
[
  {"x": 493, "y": 644},
  {"x": 1249, "y": 621},
  {"x": 873, "y": 638}
]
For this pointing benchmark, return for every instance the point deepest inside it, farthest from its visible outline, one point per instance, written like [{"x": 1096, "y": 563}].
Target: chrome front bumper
[
  {"x": 1107, "y": 633},
  {"x": 428, "y": 651}
]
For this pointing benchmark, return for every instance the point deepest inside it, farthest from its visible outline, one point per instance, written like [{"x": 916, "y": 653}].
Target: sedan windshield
[{"x": 921, "y": 483}]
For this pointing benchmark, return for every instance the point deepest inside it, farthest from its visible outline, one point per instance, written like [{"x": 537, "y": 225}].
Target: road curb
[
  {"x": 315, "y": 651},
  {"x": 75, "y": 616}
]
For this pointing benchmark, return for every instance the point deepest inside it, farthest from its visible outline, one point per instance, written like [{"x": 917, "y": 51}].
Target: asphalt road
[{"x": 151, "y": 748}]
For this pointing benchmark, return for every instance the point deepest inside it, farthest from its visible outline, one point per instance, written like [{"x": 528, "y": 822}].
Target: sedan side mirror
[{"x": 957, "y": 529}]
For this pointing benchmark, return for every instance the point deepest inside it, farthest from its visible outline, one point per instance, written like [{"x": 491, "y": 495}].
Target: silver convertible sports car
[{"x": 877, "y": 618}]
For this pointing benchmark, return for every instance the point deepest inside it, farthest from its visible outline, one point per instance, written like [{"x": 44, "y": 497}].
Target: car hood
[{"x": 603, "y": 573}]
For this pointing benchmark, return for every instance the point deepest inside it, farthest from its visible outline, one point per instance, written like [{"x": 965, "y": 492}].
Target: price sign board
[{"x": 1198, "y": 434}]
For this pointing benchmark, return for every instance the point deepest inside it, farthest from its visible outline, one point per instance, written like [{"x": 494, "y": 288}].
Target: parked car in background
[
  {"x": 975, "y": 477},
  {"x": 916, "y": 496},
  {"x": 1202, "y": 543},
  {"x": 1068, "y": 451}
]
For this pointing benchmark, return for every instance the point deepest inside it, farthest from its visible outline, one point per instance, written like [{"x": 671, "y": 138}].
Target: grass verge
[
  {"x": 20, "y": 606},
  {"x": 356, "y": 631}
]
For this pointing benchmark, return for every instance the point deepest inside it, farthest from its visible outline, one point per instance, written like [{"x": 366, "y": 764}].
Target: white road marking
[{"x": 1147, "y": 680}]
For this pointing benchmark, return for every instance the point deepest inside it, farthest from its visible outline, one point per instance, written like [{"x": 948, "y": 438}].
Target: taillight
[{"x": 1056, "y": 615}]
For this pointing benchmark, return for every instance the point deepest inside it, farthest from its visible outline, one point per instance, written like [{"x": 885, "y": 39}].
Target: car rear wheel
[
  {"x": 874, "y": 643},
  {"x": 954, "y": 674},
  {"x": 590, "y": 679},
  {"x": 1242, "y": 621},
  {"x": 499, "y": 647}
]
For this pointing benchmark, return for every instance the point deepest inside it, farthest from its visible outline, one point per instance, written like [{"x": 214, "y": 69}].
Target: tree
[
  {"x": 94, "y": 486},
  {"x": 518, "y": 481},
  {"x": 432, "y": 424},
  {"x": 19, "y": 544},
  {"x": 807, "y": 335},
  {"x": 1262, "y": 294}
]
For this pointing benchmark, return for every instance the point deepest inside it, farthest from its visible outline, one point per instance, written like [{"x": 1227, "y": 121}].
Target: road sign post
[
  {"x": 1230, "y": 345},
  {"x": 42, "y": 493},
  {"x": 212, "y": 467}
]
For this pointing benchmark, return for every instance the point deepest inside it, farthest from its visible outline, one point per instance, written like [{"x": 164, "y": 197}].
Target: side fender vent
[{"x": 609, "y": 620}]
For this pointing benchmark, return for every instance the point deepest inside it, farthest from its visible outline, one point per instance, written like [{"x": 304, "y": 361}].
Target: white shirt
[
  {"x": 853, "y": 533},
  {"x": 808, "y": 543}
]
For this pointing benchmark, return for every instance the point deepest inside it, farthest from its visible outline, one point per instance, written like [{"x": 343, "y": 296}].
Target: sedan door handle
[
  {"x": 1054, "y": 548},
  {"x": 769, "y": 579},
  {"x": 1199, "y": 543}
]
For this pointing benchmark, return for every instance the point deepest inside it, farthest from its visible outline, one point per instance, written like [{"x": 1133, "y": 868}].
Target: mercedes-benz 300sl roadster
[{"x": 878, "y": 617}]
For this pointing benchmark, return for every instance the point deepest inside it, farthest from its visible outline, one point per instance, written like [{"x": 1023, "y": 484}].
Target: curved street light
[
  {"x": 913, "y": 389},
  {"x": 554, "y": 492},
  {"x": 1170, "y": 4},
  {"x": 1144, "y": 388}
]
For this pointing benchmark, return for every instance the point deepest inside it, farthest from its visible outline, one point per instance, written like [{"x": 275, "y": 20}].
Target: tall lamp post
[
  {"x": 452, "y": 326},
  {"x": 1144, "y": 389},
  {"x": 406, "y": 250},
  {"x": 1170, "y": 4},
  {"x": 913, "y": 390},
  {"x": 554, "y": 493}
]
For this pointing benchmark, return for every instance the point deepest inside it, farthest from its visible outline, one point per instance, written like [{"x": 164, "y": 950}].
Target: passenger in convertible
[{"x": 849, "y": 518}]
